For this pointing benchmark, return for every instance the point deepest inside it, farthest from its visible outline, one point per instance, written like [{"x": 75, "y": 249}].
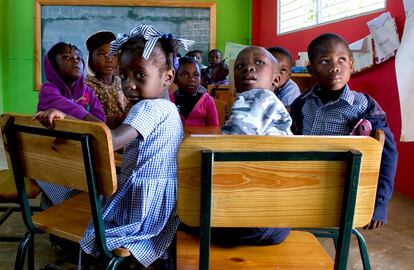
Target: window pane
[{"x": 298, "y": 14}]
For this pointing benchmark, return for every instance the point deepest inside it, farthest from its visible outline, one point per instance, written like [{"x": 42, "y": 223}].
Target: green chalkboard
[{"x": 73, "y": 21}]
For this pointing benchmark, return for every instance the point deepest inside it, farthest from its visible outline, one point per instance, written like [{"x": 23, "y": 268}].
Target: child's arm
[{"x": 120, "y": 136}]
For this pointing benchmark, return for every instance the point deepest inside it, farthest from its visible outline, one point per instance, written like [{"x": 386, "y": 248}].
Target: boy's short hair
[
  {"x": 195, "y": 51},
  {"x": 283, "y": 51},
  {"x": 318, "y": 44},
  {"x": 214, "y": 50}
]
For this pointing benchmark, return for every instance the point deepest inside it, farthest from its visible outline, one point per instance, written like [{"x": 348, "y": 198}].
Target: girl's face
[
  {"x": 141, "y": 78},
  {"x": 70, "y": 64},
  {"x": 103, "y": 63},
  {"x": 188, "y": 78}
]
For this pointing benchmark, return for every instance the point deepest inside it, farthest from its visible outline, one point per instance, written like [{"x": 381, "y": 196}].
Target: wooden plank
[
  {"x": 8, "y": 192},
  {"x": 300, "y": 250},
  {"x": 61, "y": 161},
  {"x": 68, "y": 219},
  {"x": 305, "y": 189}
]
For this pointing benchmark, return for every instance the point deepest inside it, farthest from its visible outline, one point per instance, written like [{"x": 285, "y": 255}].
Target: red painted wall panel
[{"x": 378, "y": 81}]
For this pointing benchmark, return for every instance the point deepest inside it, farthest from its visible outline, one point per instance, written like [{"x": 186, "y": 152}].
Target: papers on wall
[
  {"x": 404, "y": 67},
  {"x": 232, "y": 50},
  {"x": 384, "y": 33},
  {"x": 363, "y": 53}
]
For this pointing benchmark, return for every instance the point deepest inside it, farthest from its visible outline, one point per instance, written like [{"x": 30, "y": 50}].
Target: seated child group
[{"x": 146, "y": 95}]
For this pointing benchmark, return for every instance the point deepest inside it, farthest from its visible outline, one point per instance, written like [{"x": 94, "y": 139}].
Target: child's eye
[
  {"x": 66, "y": 57},
  {"x": 140, "y": 75},
  {"x": 259, "y": 62},
  {"x": 342, "y": 59},
  {"x": 122, "y": 76},
  {"x": 283, "y": 70},
  {"x": 184, "y": 75},
  {"x": 324, "y": 61},
  {"x": 239, "y": 66}
]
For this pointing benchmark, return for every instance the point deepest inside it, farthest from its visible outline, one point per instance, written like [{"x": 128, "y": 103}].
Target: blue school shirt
[
  {"x": 288, "y": 92},
  {"x": 141, "y": 215}
]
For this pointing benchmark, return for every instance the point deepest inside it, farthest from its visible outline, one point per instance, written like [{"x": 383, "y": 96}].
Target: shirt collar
[{"x": 346, "y": 95}]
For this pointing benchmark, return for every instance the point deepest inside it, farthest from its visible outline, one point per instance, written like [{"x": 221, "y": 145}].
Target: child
[
  {"x": 141, "y": 215},
  {"x": 331, "y": 108},
  {"x": 66, "y": 91},
  {"x": 256, "y": 111},
  {"x": 198, "y": 56},
  {"x": 196, "y": 109},
  {"x": 288, "y": 90},
  {"x": 217, "y": 71},
  {"x": 105, "y": 84}
]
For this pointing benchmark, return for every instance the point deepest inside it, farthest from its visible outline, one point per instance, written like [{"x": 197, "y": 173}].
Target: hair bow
[{"x": 149, "y": 33}]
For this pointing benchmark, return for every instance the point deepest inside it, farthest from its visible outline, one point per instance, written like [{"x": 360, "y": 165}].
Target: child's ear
[
  {"x": 310, "y": 70},
  {"x": 276, "y": 81},
  {"x": 169, "y": 77},
  {"x": 352, "y": 64}
]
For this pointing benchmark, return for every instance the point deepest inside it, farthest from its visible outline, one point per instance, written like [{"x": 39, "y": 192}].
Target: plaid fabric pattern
[
  {"x": 54, "y": 194},
  {"x": 288, "y": 93},
  {"x": 141, "y": 215},
  {"x": 335, "y": 117}
]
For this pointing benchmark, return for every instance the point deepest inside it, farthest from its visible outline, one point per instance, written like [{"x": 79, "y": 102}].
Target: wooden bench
[
  {"x": 274, "y": 181},
  {"x": 75, "y": 154}
]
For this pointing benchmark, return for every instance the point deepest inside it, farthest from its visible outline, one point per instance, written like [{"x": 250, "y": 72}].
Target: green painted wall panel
[{"x": 17, "y": 53}]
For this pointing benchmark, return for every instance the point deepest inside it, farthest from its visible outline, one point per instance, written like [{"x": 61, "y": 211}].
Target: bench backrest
[
  {"x": 60, "y": 155},
  {"x": 304, "y": 190}
]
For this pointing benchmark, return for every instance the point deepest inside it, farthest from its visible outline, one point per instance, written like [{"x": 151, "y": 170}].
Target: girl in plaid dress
[{"x": 141, "y": 215}]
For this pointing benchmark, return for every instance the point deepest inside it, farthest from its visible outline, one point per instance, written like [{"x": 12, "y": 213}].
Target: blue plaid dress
[
  {"x": 141, "y": 215},
  {"x": 336, "y": 117}
]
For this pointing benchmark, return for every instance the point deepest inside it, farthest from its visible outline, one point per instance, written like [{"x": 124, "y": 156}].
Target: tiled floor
[{"x": 390, "y": 247}]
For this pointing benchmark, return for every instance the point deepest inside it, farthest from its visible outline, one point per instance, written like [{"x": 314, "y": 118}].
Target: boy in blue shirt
[
  {"x": 287, "y": 90},
  {"x": 331, "y": 108}
]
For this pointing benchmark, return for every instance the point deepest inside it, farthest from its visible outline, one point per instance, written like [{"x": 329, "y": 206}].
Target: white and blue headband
[{"x": 149, "y": 33}]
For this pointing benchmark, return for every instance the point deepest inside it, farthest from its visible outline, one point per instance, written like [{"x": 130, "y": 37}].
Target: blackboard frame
[{"x": 149, "y": 3}]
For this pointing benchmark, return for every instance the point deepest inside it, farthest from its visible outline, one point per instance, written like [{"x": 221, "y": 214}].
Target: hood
[{"x": 53, "y": 77}]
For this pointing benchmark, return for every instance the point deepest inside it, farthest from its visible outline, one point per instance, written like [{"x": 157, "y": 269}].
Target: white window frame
[{"x": 318, "y": 17}]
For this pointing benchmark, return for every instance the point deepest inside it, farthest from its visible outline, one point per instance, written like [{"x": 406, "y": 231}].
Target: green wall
[{"x": 17, "y": 47}]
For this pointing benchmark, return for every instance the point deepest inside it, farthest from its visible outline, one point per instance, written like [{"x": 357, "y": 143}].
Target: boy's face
[
  {"x": 332, "y": 66},
  {"x": 103, "y": 63},
  {"x": 254, "y": 68},
  {"x": 142, "y": 78},
  {"x": 285, "y": 66},
  {"x": 70, "y": 65},
  {"x": 214, "y": 58},
  {"x": 188, "y": 78}
]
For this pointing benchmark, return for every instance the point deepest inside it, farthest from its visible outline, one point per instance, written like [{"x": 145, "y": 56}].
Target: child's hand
[
  {"x": 47, "y": 117},
  {"x": 374, "y": 224}
]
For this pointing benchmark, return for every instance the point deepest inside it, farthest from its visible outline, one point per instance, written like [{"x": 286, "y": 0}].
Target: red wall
[{"x": 378, "y": 81}]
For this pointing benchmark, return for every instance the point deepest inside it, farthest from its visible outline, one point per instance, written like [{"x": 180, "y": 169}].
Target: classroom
[{"x": 229, "y": 26}]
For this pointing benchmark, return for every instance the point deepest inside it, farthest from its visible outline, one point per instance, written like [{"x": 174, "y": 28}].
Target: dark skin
[
  {"x": 255, "y": 68},
  {"x": 188, "y": 78},
  {"x": 69, "y": 65},
  {"x": 141, "y": 79},
  {"x": 104, "y": 64},
  {"x": 332, "y": 68},
  {"x": 285, "y": 66}
]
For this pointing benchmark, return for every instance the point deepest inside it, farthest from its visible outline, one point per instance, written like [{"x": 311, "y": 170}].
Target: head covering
[
  {"x": 98, "y": 39},
  {"x": 149, "y": 33}
]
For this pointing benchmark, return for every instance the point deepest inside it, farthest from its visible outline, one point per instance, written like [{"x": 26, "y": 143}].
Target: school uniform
[
  {"x": 288, "y": 92},
  {"x": 339, "y": 117},
  {"x": 141, "y": 215}
]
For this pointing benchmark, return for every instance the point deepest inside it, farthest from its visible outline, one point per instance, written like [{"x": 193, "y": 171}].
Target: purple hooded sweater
[{"x": 76, "y": 102}]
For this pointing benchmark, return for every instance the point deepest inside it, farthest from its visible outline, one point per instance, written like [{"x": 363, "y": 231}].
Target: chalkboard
[{"x": 73, "y": 21}]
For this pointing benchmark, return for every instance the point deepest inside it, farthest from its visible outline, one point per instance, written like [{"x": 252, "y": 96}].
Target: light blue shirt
[{"x": 288, "y": 92}]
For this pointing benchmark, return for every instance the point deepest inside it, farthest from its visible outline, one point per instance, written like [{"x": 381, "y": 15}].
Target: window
[{"x": 298, "y": 14}]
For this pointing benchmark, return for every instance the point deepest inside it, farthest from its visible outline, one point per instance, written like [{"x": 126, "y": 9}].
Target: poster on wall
[
  {"x": 385, "y": 35},
  {"x": 404, "y": 67}
]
